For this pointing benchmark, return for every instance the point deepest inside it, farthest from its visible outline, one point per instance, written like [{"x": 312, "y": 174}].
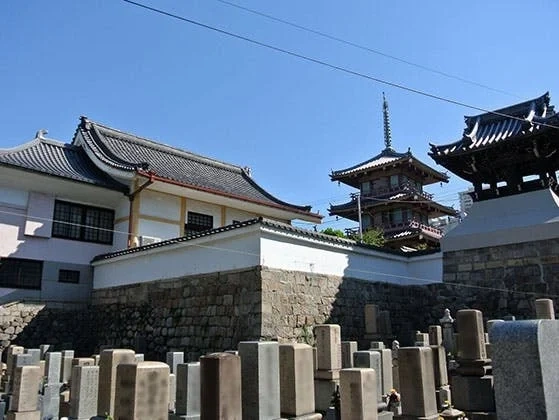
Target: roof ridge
[
  {"x": 35, "y": 141},
  {"x": 388, "y": 152},
  {"x": 510, "y": 109},
  {"x": 166, "y": 148}
]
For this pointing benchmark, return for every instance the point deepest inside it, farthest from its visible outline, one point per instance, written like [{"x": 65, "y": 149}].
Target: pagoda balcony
[
  {"x": 406, "y": 188},
  {"x": 395, "y": 227}
]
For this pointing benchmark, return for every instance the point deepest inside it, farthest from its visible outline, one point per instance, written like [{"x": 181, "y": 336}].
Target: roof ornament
[
  {"x": 386, "y": 121},
  {"x": 248, "y": 170},
  {"x": 41, "y": 134}
]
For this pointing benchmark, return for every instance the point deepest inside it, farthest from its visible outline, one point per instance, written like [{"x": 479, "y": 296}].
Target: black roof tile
[{"x": 55, "y": 158}]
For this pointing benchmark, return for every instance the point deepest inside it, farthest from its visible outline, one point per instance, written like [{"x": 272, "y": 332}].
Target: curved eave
[{"x": 295, "y": 211}]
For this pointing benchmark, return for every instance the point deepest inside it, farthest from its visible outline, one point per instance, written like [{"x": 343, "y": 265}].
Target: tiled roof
[
  {"x": 263, "y": 222},
  {"x": 55, "y": 158},
  {"x": 487, "y": 129},
  {"x": 129, "y": 152}
]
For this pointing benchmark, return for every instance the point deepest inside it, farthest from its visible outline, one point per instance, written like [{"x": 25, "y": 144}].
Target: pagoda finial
[{"x": 386, "y": 120}]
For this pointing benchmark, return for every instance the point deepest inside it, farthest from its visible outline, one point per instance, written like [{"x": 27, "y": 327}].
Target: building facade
[
  {"x": 391, "y": 197},
  {"x": 63, "y": 204}
]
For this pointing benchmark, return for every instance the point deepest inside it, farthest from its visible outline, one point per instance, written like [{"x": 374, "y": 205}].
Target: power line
[
  {"x": 330, "y": 65},
  {"x": 243, "y": 252},
  {"x": 368, "y": 49}
]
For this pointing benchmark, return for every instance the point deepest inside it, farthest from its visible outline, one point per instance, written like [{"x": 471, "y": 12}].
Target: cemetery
[{"x": 464, "y": 367}]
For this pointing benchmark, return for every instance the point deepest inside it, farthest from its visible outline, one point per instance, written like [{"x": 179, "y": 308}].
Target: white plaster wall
[
  {"x": 40, "y": 210},
  {"x": 239, "y": 215},
  {"x": 158, "y": 229},
  {"x": 160, "y": 205},
  {"x": 426, "y": 269},
  {"x": 204, "y": 255},
  {"x": 205, "y": 208},
  {"x": 122, "y": 208},
  {"x": 120, "y": 237},
  {"x": 13, "y": 197}
]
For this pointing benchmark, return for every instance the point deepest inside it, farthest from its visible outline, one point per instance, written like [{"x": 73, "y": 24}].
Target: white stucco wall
[
  {"x": 205, "y": 208},
  {"x": 239, "y": 215},
  {"x": 158, "y": 229},
  {"x": 160, "y": 205},
  {"x": 204, "y": 255},
  {"x": 270, "y": 247}
]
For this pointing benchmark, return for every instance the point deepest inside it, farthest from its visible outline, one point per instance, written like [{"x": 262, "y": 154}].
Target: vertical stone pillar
[
  {"x": 371, "y": 322},
  {"x": 370, "y": 359},
  {"x": 53, "y": 367},
  {"x": 220, "y": 387},
  {"x": 435, "y": 335},
  {"x": 447, "y": 323},
  {"x": 66, "y": 367},
  {"x": 83, "y": 392},
  {"x": 471, "y": 339},
  {"x": 296, "y": 382},
  {"x": 260, "y": 379},
  {"x": 174, "y": 358},
  {"x": 108, "y": 362},
  {"x": 329, "y": 363},
  {"x": 45, "y": 348},
  {"x": 417, "y": 382},
  {"x": 384, "y": 324},
  {"x": 12, "y": 351},
  {"x": 25, "y": 397},
  {"x": 348, "y": 348},
  {"x": 356, "y": 388},
  {"x": 142, "y": 391},
  {"x": 187, "y": 404},
  {"x": 440, "y": 366},
  {"x": 421, "y": 339},
  {"x": 172, "y": 392},
  {"x": 544, "y": 309},
  {"x": 395, "y": 369}
]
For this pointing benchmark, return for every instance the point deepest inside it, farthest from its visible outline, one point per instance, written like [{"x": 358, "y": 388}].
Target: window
[
  {"x": 68, "y": 276},
  {"x": 20, "y": 273},
  {"x": 82, "y": 223},
  {"x": 198, "y": 222}
]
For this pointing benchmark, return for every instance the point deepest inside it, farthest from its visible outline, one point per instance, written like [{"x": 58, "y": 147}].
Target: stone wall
[
  {"x": 205, "y": 313},
  {"x": 194, "y": 314},
  {"x": 523, "y": 267}
]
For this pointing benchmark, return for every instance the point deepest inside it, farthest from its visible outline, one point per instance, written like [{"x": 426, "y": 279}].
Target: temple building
[
  {"x": 391, "y": 196},
  {"x": 510, "y": 235},
  {"x": 504, "y": 152}
]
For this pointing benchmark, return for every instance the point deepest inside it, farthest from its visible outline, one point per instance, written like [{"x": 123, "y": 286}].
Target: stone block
[
  {"x": 83, "y": 395},
  {"x": 296, "y": 380},
  {"x": 24, "y": 415},
  {"x": 471, "y": 341},
  {"x": 142, "y": 391},
  {"x": 370, "y": 359},
  {"x": 26, "y": 388},
  {"x": 371, "y": 319},
  {"x": 544, "y": 309},
  {"x": 220, "y": 387},
  {"x": 260, "y": 379},
  {"x": 323, "y": 392},
  {"x": 417, "y": 382},
  {"x": 526, "y": 368},
  {"x": 108, "y": 363},
  {"x": 50, "y": 401},
  {"x": 473, "y": 393},
  {"x": 188, "y": 390},
  {"x": 174, "y": 358},
  {"x": 356, "y": 388},
  {"x": 328, "y": 345},
  {"x": 348, "y": 348}
]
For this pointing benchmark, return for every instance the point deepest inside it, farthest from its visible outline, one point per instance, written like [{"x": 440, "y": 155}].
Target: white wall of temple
[
  {"x": 164, "y": 206},
  {"x": 238, "y": 215},
  {"x": 205, "y": 208},
  {"x": 274, "y": 248},
  {"x": 221, "y": 252}
]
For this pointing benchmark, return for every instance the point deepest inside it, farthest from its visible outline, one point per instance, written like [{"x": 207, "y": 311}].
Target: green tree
[
  {"x": 373, "y": 236},
  {"x": 334, "y": 232}
]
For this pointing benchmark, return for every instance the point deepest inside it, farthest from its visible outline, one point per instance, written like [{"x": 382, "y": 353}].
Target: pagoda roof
[
  {"x": 401, "y": 198},
  {"x": 387, "y": 158},
  {"x": 129, "y": 153},
  {"x": 503, "y": 125}
]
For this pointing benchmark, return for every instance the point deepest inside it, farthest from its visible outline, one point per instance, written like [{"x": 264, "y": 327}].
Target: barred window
[
  {"x": 68, "y": 276},
  {"x": 198, "y": 222},
  {"x": 20, "y": 273},
  {"x": 83, "y": 223}
]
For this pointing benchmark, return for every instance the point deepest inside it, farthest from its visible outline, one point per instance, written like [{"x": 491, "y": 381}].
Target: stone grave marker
[
  {"x": 356, "y": 387},
  {"x": 348, "y": 348},
  {"x": 83, "y": 392},
  {"x": 329, "y": 363},
  {"x": 187, "y": 405},
  {"x": 108, "y": 363},
  {"x": 220, "y": 387}
]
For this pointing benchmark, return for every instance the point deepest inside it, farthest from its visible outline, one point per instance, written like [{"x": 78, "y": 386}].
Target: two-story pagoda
[
  {"x": 391, "y": 196},
  {"x": 508, "y": 151}
]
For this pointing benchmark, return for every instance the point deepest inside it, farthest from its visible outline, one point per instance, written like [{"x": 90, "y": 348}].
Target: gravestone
[
  {"x": 296, "y": 382},
  {"x": 348, "y": 348},
  {"x": 329, "y": 363},
  {"x": 372, "y": 314},
  {"x": 395, "y": 370},
  {"x": 50, "y": 401},
  {"x": 25, "y": 397},
  {"x": 220, "y": 387},
  {"x": 187, "y": 405},
  {"x": 447, "y": 323},
  {"x": 417, "y": 383},
  {"x": 370, "y": 359},
  {"x": 142, "y": 391},
  {"x": 53, "y": 367},
  {"x": 35, "y": 355},
  {"x": 172, "y": 392},
  {"x": 173, "y": 359},
  {"x": 526, "y": 369},
  {"x": 45, "y": 348},
  {"x": 356, "y": 387},
  {"x": 108, "y": 363},
  {"x": 260, "y": 379},
  {"x": 83, "y": 392},
  {"x": 544, "y": 309}
]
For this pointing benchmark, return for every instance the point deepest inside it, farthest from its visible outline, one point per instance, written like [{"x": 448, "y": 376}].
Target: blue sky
[{"x": 291, "y": 121}]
